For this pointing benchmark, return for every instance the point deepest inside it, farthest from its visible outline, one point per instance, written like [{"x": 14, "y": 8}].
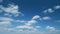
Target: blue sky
[{"x": 29, "y": 16}]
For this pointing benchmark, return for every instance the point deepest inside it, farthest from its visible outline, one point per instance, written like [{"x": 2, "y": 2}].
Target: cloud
[
  {"x": 29, "y": 25},
  {"x": 33, "y": 20},
  {"x": 50, "y": 28},
  {"x": 57, "y": 21},
  {"x": 48, "y": 10},
  {"x": 1, "y": 0},
  {"x": 57, "y": 7},
  {"x": 21, "y": 21},
  {"x": 46, "y": 18},
  {"x": 5, "y": 22},
  {"x": 11, "y": 10},
  {"x": 16, "y": 32},
  {"x": 35, "y": 17},
  {"x": 6, "y": 19}
]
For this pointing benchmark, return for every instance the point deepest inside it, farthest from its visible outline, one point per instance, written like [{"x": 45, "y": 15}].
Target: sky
[{"x": 29, "y": 16}]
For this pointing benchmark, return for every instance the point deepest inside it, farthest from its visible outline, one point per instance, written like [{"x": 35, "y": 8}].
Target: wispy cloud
[{"x": 57, "y": 21}]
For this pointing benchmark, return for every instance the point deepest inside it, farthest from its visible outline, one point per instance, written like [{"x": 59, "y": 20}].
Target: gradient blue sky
[{"x": 33, "y": 16}]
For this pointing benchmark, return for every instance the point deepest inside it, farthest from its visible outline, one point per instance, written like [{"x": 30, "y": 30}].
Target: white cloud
[
  {"x": 57, "y": 7},
  {"x": 6, "y": 19},
  {"x": 13, "y": 9},
  {"x": 35, "y": 17},
  {"x": 50, "y": 28},
  {"x": 29, "y": 25},
  {"x": 21, "y": 21},
  {"x": 5, "y": 22},
  {"x": 48, "y": 10},
  {"x": 28, "y": 28},
  {"x": 46, "y": 18},
  {"x": 33, "y": 20},
  {"x": 15, "y": 32},
  {"x": 21, "y": 27}
]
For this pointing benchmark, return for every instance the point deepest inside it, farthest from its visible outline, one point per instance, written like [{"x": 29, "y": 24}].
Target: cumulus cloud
[
  {"x": 28, "y": 28},
  {"x": 50, "y": 28},
  {"x": 33, "y": 20},
  {"x": 46, "y": 18},
  {"x": 11, "y": 10},
  {"x": 29, "y": 25},
  {"x": 5, "y": 22},
  {"x": 48, "y": 10},
  {"x": 35, "y": 17},
  {"x": 30, "y": 22},
  {"x": 6, "y": 19},
  {"x": 57, "y": 7}
]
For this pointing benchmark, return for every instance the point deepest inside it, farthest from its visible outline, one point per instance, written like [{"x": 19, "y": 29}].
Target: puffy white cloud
[
  {"x": 29, "y": 25},
  {"x": 35, "y": 17},
  {"x": 48, "y": 10},
  {"x": 13, "y": 9},
  {"x": 27, "y": 28},
  {"x": 50, "y": 28},
  {"x": 33, "y": 20},
  {"x": 5, "y": 22},
  {"x": 57, "y": 7}
]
